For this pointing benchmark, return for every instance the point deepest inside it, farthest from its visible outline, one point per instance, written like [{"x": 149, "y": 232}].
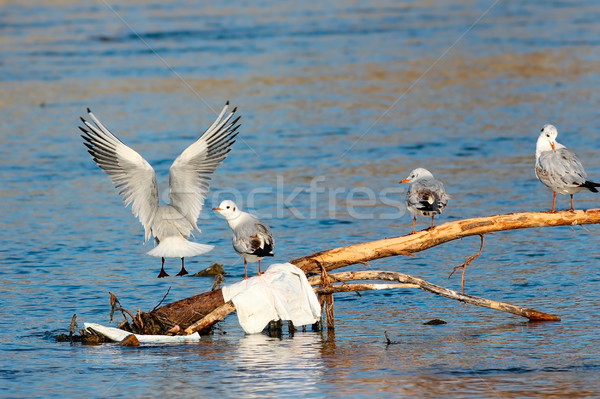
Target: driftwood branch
[
  {"x": 410, "y": 281},
  {"x": 334, "y": 289},
  {"x": 210, "y": 319},
  {"x": 189, "y": 311},
  {"x": 411, "y": 243}
]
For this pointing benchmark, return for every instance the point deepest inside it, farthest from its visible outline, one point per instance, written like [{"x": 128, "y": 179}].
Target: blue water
[{"x": 339, "y": 101}]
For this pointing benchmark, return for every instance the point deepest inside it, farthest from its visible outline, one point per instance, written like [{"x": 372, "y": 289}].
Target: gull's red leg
[
  {"x": 572, "y": 203},
  {"x": 553, "y": 202}
]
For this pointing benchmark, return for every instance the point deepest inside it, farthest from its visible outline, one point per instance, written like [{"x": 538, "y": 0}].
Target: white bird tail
[{"x": 179, "y": 247}]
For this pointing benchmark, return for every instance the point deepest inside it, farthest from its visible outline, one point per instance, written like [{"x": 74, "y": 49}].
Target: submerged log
[
  {"x": 182, "y": 313},
  {"x": 186, "y": 312}
]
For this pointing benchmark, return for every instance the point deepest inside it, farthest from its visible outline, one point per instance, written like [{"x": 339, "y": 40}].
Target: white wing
[
  {"x": 132, "y": 175},
  {"x": 189, "y": 176}
]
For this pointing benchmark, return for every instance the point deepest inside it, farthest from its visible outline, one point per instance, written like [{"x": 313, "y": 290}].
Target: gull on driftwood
[
  {"x": 426, "y": 195},
  {"x": 252, "y": 238},
  {"x": 558, "y": 168}
]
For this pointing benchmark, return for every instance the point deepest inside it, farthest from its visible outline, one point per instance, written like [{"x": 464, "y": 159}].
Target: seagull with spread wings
[{"x": 189, "y": 178}]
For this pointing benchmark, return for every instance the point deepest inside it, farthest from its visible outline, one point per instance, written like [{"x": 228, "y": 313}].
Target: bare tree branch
[
  {"x": 411, "y": 243},
  {"x": 531, "y": 314}
]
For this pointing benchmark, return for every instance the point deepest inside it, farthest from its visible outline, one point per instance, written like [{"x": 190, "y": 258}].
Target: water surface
[{"x": 339, "y": 102}]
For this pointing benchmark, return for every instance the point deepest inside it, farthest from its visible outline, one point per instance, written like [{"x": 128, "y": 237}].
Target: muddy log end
[
  {"x": 533, "y": 315},
  {"x": 182, "y": 313}
]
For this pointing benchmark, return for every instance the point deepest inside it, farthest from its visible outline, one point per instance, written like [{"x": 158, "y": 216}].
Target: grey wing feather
[
  {"x": 427, "y": 195},
  {"x": 190, "y": 173},
  {"x": 560, "y": 168},
  {"x": 253, "y": 237},
  {"x": 132, "y": 175}
]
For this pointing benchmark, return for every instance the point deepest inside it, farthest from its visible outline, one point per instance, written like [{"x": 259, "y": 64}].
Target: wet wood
[
  {"x": 130, "y": 340},
  {"x": 210, "y": 319},
  {"x": 409, "y": 281},
  {"x": 182, "y": 313},
  {"x": 333, "y": 289},
  {"x": 411, "y": 243}
]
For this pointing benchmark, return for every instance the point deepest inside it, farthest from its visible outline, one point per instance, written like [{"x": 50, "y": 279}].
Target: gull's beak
[
  {"x": 405, "y": 181},
  {"x": 553, "y": 146},
  {"x": 216, "y": 208}
]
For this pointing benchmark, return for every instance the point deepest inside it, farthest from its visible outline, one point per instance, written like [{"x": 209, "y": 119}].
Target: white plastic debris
[
  {"x": 116, "y": 334},
  {"x": 282, "y": 292}
]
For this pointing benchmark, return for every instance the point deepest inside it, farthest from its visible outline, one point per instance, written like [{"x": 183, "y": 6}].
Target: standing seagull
[
  {"x": 189, "y": 178},
  {"x": 252, "y": 238},
  {"x": 558, "y": 168},
  {"x": 426, "y": 195}
]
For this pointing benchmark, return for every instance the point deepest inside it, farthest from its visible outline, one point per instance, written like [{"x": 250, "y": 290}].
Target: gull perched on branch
[
  {"x": 252, "y": 238},
  {"x": 189, "y": 178},
  {"x": 426, "y": 195},
  {"x": 558, "y": 168}
]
